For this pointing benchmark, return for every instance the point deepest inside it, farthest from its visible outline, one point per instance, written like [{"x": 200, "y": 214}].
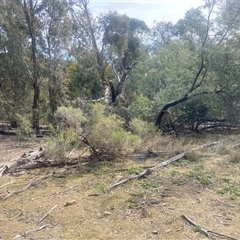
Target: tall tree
[
  {"x": 55, "y": 36},
  {"x": 14, "y": 81},
  {"x": 199, "y": 38},
  {"x": 31, "y": 10},
  {"x": 114, "y": 40}
]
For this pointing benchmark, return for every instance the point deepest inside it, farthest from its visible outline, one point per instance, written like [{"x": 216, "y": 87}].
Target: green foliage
[
  {"x": 83, "y": 78},
  {"x": 186, "y": 59},
  {"x": 132, "y": 203},
  {"x": 193, "y": 111},
  {"x": 65, "y": 135},
  {"x": 197, "y": 228},
  {"x": 199, "y": 174},
  {"x": 232, "y": 188},
  {"x": 142, "y": 108},
  {"x": 121, "y": 33},
  {"x": 106, "y": 132},
  {"x": 142, "y": 128},
  {"x": 60, "y": 143},
  {"x": 103, "y": 132},
  {"x": 149, "y": 184},
  {"x": 133, "y": 170},
  {"x": 24, "y": 130},
  {"x": 69, "y": 117},
  {"x": 174, "y": 172}
]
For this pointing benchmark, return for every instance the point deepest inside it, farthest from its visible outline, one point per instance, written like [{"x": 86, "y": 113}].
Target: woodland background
[{"x": 56, "y": 57}]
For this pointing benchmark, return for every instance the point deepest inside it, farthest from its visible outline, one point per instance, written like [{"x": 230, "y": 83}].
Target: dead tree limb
[
  {"x": 7, "y": 184},
  {"x": 30, "y": 231},
  {"x": 3, "y": 170},
  {"x": 37, "y": 159},
  {"x": 46, "y": 215},
  {"x": 204, "y": 231},
  {"x": 163, "y": 164},
  {"x": 31, "y": 184}
]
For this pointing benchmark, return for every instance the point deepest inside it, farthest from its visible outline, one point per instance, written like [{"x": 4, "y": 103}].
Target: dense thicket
[{"x": 56, "y": 53}]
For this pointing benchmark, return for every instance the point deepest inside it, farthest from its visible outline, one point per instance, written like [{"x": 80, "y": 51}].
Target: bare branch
[
  {"x": 163, "y": 164},
  {"x": 47, "y": 214},
  {"x": 206, "y": 232}
]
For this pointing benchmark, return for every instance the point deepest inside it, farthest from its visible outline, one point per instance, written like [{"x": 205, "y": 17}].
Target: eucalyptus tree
[
  {"x": 113, "y": 40},
  {"x": 192, "y": 69},
  {"x": 26, "y": 14},
  {"x": 122, "y": 38},
  {"x": 56, "y": 30},
  {"x": 15, "y": 82},
  {"x": 199, "y": 63},
  {"x": 163, "y": 33}
]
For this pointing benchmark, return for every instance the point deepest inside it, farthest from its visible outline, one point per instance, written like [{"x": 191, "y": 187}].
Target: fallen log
[
  {"x": 36, "y": 159},
  {"x": 8, "y": 133},
  {"x": 163, "y": 164},
  {"x": 20, "y": 163}
]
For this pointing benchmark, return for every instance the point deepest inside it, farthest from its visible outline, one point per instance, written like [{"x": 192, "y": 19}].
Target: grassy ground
[{"x": 205, "y": 186}]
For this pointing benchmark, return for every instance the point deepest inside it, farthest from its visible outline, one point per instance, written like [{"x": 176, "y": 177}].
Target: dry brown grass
[{"x": 204, "y": 186}]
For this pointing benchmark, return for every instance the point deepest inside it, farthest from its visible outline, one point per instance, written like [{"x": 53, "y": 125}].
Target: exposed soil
[{"x": 205, "y": 186}]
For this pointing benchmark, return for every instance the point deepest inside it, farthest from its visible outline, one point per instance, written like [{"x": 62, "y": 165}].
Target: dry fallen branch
[
  {"x": 30, "y": 231},
  {"x": 36, "y": 159},
  {"x": 224, "y": 203},
  {"x": 237, "y": 146},
  {"x": 196, "y": 225},
  {"x": 46, "y": 215},
  {"x": 7, "y": 184},
  {"x": 31, "y": 184},
  {"x": 204, "y": 231},
  {"x": 21, "y": 163},
  {"x": 163, "y": 164}
]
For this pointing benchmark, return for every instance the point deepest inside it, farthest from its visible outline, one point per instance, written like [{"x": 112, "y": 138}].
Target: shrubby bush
[
  {"x": 65, "y": 135},
  {"x": 143, "y": 108},
  {"x": 103, "y": 133},
  {"x": 142, "y": 128},
  {"x": 107, "y": 134},
  {"x": 24, "y": 130},
  {"x": 60, "y": 143},
  {"x": 70, "y": 117}
]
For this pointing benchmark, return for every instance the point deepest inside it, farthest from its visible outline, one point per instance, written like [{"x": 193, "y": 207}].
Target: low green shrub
[
  {"x": 60, "y": 143},
  {"x": 106, "y": 133},
  {"x": 103, "y": 133},
  {"x": 24, "y": 130}
]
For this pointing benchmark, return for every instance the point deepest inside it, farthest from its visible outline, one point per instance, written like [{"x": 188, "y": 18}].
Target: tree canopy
[{"x": 55, "y": 52}]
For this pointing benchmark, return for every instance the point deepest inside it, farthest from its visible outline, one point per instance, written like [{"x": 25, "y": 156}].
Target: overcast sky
[{"x": 147, "y": 10}]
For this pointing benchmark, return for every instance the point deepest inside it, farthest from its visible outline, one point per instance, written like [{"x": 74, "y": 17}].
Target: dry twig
[
  {"x": 32, "y": 183},
  {"x": 47, "y": 214},
  {"x": 30, "y": 231},
  {"x": 7, "y": 184},
  {"x": 204, "y": 231},
  {"x": 224, "y": 203}
]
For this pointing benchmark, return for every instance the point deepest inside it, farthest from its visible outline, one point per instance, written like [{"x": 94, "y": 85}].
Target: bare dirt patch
[
  {"x": 11, "y": 147},
  {"x": 204, "y": 186}
]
